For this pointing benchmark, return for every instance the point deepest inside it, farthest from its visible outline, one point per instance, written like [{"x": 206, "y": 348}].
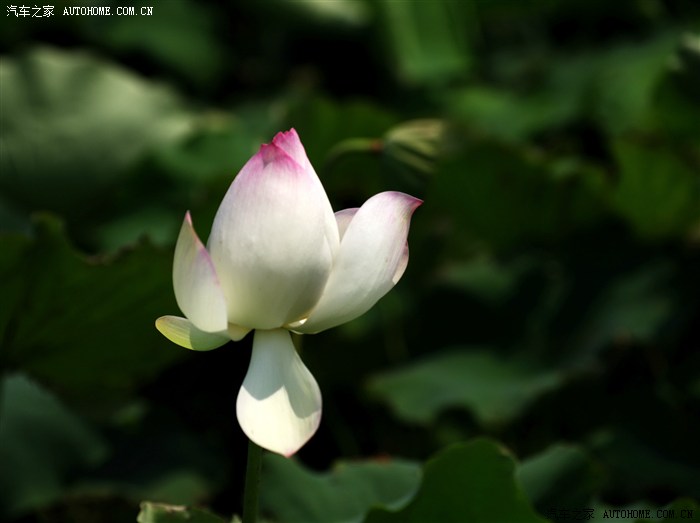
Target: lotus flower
[{"x": 279, "y": 260}]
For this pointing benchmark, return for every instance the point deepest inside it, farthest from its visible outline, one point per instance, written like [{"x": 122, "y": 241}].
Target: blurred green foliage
[{"x": 540, "y": 356}]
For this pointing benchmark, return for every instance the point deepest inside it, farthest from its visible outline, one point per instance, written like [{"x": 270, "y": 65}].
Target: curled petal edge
[{"x": 182, "y": 332}]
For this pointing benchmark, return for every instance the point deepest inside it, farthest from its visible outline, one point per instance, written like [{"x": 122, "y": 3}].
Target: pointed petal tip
[
  {"x": 290, "y": 143},
  {"x": 288, "y": 454},
  {"x": 411, "y": 202},
  {"x": 270, "y": 427},
  {"x": 290, "y": 134}
]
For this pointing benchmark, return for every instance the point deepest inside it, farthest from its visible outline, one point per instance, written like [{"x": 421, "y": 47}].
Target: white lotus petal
[
  {"x": 401, "y": 266},
  {"x": 279, "y": 404},
  {"x": 274, "y": 238},
  {"x": 343, "y": 219},
  {"x": 372, "y": 257},
  {"x": 289, "y": 142},
  {"x": 181, "y": 331},
  {"x": 196, "y": 284},
  {"x": 236, "y": 332}
]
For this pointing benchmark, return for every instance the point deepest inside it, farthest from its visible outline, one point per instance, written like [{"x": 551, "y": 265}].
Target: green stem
[{"x": 252, "y": 483}]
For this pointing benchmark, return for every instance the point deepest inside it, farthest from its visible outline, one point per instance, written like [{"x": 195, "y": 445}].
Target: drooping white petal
[
  {"x": 372, "y": 257},
  {"x": 197, "y": 290},
  {"x": 274, "y": 238},
  {"x": 279, "y": 404},
  {"x": 181, "y": 331}
]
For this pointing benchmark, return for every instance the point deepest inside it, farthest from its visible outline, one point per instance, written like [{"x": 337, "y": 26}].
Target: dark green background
[{"x": 540, "y": 356}]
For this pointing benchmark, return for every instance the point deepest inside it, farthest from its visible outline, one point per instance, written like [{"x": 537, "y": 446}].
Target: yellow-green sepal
[{"x": 181, "y": 331}]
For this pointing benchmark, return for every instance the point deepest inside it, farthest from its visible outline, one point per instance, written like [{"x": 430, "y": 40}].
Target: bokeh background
[{"x": 539, "y": 360}]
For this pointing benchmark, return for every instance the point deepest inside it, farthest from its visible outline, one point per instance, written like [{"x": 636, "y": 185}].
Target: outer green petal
[{"x": 181, "y": 331}]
